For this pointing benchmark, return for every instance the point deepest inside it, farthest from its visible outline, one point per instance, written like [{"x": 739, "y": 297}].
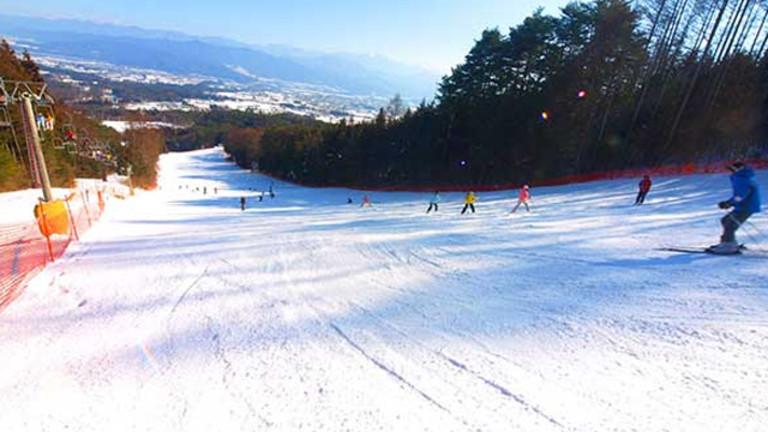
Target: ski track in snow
[
  {"x": 180, "y": 312},
  {"x": 386, "y": 369}
]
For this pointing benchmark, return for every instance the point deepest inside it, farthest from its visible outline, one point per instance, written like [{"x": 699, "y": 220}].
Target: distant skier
[
  {"x": 271, "y": 190},
  {"x": 205, "y": 190},
  {"x": 642, "y": 189},
  {"x": 242, "y": 203},
  {"x": 745, "y": 202},
  {"x": 349, "y": 200},
  {"x": 433, "y": 202},
  {"x": 523, "y": 198},
  {"x": 469, "y": 202},
  {"x": 366, "y": 202}
]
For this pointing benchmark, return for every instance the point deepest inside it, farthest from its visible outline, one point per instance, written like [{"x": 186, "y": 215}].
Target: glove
[{"x": 724, "y": 205}]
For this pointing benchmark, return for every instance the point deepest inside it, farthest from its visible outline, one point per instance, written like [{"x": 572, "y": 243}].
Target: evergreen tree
[{"x": 602, "y": 86}]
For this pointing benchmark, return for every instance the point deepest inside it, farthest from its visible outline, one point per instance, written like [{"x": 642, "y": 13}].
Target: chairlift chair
[
  {"x": 24, "y": 89},
  {"x": 69, "y": 132},
  {"x": 98, "y": 146},
  {"x": 59, "y": 143},
  {"x": 5, "y": 118},
  {"x": 76, "y": 145},
  {"x": 62, "y": 144},
  {"x": 71, "y": 147},
  {"x": 42, "y": 102},
  {"x": 85, "y": 144},
  {"x": 5, "y": 121},
  {"x": 5, "y": 99},
  {"x": 44, "y": 106}
]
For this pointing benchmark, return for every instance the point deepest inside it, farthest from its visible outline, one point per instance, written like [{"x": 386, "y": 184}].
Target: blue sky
[{"x": 435, "y": 34}]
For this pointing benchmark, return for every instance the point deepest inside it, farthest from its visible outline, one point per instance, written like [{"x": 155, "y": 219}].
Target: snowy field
[
  {"x": 18, "y": 207},
  {"x": 179, "y": 312}
]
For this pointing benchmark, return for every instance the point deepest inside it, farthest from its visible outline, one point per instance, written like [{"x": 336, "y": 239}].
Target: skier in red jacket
[
  {"x": 523, "y": 198},
  {"x": 643, "y": 188}
]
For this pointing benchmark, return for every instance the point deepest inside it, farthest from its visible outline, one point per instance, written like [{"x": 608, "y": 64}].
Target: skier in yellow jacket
[{"x": 469, "y": 202}]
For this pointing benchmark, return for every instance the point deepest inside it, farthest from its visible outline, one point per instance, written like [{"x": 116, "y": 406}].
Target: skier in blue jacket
[
  {"x": 434, "y": 202},
  {"x": 745, "y": 202}
]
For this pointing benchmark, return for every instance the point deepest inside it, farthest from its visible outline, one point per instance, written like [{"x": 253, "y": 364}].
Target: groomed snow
[
  {"x": 122, "y": 125},
  {"x": 179, "y": 312}
]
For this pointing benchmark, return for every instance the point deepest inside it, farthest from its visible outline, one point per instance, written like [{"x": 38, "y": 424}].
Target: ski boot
[{"x": 725, "y": 248}]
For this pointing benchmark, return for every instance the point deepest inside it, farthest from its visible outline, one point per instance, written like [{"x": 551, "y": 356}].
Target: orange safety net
[
  {"x": 25, "y": 249},
  {"x": 663, "y": 170}
]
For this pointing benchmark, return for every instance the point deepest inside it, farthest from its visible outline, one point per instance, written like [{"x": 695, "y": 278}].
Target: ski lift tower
[{"x": 24, "y": 94}]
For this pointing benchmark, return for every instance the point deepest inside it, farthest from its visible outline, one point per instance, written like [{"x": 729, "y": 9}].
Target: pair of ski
[{"x": 743, "y": 251}]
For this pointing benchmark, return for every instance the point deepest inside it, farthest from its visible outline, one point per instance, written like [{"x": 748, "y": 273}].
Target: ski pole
[
  {"x": 741, "y": 224},
  {"x": 757, "y": 230},
  {"x": 752, "y": 238}
]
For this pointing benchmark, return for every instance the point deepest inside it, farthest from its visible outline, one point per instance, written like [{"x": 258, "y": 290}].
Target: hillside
[{"x": 179, "y": 311}]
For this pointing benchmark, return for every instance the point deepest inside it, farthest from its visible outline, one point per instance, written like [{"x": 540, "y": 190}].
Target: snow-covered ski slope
[{"x": 179, "y": 312}]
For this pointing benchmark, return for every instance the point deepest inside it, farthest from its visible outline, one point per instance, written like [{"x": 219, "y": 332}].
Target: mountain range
[{"x": 219, "y": 58}]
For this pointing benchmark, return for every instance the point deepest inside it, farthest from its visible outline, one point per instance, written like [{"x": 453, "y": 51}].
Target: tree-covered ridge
[
  {"x": 211, "y": 127},
  {"x": 14, "y": 163},
  {"x": 605, "y": 84}
]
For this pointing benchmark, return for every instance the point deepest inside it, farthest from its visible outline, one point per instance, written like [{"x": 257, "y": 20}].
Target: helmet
[{"x": 736, "y": 166}]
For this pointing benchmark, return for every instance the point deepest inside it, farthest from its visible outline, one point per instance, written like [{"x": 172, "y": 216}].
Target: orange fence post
[
  {"x": 72, "y": 220},
  {"x": 87, "y": 213},
  {"x": 101, "y": 202}
]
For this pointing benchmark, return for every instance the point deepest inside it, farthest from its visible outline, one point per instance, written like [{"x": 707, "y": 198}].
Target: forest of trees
[
  {"x": 212, "y": 127},
  {"x": 139, "y": 148},
  {"x": 607, "y": 84}
]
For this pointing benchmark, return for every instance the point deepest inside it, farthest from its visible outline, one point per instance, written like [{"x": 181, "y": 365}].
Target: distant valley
[{"x": 145, "y": 69}]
